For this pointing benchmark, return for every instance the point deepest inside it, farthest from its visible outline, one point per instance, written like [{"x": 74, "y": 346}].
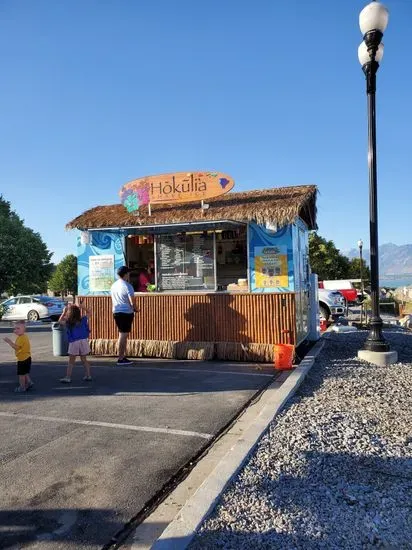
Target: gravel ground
[{"x": 334, "y": 470}]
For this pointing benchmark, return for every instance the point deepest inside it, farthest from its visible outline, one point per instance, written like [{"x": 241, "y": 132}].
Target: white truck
[{"x": 331, "y": 303}]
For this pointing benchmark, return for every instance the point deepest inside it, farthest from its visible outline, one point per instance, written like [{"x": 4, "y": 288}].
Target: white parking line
[{"x": 132, "y": 428}]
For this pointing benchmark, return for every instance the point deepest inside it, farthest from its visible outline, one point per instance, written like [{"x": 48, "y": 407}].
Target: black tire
[
  {"x": 324, "y": 312},
  {"x": 33, "y": 315}
]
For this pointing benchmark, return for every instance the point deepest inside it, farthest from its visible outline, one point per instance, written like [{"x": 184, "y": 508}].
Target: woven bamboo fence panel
[{"x": 225, "y": 318}]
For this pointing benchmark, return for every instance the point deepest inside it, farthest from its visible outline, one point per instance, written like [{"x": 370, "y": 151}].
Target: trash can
[{"x": 60, "y": 342}]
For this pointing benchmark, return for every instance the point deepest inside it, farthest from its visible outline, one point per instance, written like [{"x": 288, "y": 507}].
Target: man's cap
[{"x": 124, "y": 270}]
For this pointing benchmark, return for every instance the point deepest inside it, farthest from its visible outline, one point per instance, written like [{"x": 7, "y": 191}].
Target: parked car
[
  {"x": 54, "y": 304},
  {"x": 344, "y": 286},
  {"x": 331, "y": 303},
  {"x": 32, "y": 308}
]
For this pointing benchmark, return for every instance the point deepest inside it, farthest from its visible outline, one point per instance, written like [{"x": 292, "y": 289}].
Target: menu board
[
  {"x": 271, "y": 266},
  {"x": 101, "y": 273},
  {"x": 186, "y": 262},
  {"x": 170, "y": 262}
]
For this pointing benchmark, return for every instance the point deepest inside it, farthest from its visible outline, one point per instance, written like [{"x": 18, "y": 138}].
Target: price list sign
[
  {"x": 186, "y": 262},
  {"x": 171, "y": 262}
]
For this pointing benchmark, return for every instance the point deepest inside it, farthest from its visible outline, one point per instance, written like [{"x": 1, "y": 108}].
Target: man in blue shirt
[{"x": 122, "y": 294}]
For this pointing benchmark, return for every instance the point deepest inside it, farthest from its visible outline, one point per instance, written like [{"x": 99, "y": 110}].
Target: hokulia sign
[{"x": 174, "y": 188}]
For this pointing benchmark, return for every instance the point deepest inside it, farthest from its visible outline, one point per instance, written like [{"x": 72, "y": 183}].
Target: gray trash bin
[{"x": 60, "y": 342}]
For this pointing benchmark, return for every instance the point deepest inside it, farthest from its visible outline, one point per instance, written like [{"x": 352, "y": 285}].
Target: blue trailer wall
[
  {"x": 261, "y": 241},
  {"x": 101, "y": 243}
]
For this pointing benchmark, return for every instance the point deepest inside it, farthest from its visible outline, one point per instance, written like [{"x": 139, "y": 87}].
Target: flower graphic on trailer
[
  {"x": 132, "y": 203},
  {"x": 130, "y": 200},
  {"x": 124, "y": 193},
  {"x": 143, "y": 193}
]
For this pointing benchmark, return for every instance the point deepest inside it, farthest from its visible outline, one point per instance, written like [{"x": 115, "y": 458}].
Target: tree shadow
[
  {"x": 215, "y": 330},
  {"x": 232, "y": 539},
  {"x": 66, "y": 527},
  {"x": 343, "y": 499},
  {"x": 217, "y": 320},
  {"x": 340, "y": 501}
]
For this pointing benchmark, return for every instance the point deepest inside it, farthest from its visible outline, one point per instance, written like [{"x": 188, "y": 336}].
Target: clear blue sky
[{"x": 97, "y": 92}]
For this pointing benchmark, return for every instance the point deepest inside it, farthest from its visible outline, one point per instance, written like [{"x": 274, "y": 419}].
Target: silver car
[{"x": 32, "y": 308}]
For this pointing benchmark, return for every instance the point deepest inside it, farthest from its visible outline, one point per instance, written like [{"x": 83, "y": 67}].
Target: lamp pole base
[
  {"x": 380, "y": 358},
  {"x": 375, "y": 340}
]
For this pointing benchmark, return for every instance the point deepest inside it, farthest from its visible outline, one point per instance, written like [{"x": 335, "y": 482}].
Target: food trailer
[{"x": 231, "y": 271}]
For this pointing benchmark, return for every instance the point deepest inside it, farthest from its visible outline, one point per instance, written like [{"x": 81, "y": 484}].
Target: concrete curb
[{"x": 181, "y": 530}]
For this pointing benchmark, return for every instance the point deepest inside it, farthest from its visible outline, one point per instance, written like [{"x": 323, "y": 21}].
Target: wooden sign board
[{"x": 180, "y": 187}]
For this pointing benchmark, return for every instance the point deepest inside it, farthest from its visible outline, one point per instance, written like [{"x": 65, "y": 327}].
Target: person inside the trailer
[{"x": 146, "y": 278}]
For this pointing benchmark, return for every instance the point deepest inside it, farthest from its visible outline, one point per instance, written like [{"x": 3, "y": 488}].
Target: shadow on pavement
[
  {"x": 73, "y": 528},
  {"x": 141, "y": 379}
]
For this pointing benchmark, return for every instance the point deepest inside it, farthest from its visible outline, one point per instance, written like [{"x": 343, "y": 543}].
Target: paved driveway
[{"x": 77, "y": 462}]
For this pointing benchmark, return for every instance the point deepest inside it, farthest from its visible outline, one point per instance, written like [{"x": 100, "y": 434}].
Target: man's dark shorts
[
  {"x": 23, "y": 367},
  {"x": 124, "y": 321}
]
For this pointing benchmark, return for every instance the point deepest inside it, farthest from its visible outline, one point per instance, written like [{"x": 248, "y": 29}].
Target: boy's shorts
[
  {"x": 23, "y": 367},
  {"x": 124, "y": 321},
  {"x": 79, "y": 347}
]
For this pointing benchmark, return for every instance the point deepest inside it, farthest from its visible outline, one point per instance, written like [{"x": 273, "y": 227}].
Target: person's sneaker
[
  {"x": 124, "y": 361},
  {"x": 30, "y": 386},
  {"x": 19, "y": 389},
  {"x": 87, "y": 378},
  {"x": 65, "y": 380}
]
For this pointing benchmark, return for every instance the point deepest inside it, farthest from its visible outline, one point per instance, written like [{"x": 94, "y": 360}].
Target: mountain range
[{"x": 394, "y": 260}]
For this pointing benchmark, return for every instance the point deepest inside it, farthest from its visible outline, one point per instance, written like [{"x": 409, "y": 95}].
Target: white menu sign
[{"x": 101, "y": 273}]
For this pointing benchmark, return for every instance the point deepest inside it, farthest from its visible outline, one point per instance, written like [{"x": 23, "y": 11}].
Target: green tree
[
  {"x": 354, "y": 270},
  {"x": 24, "y": 258},
  {"x": 64, "y": 278},
  {"x": 326, "y": 260}
]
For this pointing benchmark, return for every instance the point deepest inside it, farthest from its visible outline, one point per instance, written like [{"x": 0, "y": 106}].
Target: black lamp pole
[
  {"x": 360, "y": 244},
  {"x": 375, "y": 340}
]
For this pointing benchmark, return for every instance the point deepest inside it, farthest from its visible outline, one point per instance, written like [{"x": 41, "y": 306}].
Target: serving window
[
  {"x": 231, "y": 258},
  {"x": 203, "y": 260},
  {"x": 140, "y": 257},
  {"x": 186, "y": 261}
]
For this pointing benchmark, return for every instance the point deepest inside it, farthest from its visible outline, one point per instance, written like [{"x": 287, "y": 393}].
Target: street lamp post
[
  {"x": 360, "y": 246},
  {"x": 373, "y": 21}
]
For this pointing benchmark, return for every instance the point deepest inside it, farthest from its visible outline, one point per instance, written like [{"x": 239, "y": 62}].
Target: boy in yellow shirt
[{"x": 22, "y": 350}]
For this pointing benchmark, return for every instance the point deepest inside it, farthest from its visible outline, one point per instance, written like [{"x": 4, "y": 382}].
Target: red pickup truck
[{"x": 344, "y": 286}]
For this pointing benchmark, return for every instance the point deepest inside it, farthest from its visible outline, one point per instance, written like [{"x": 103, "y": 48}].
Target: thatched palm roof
[{"x": 279, "y": 206}]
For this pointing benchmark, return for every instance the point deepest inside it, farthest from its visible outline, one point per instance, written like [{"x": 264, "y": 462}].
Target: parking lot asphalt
[{"x": 78, "y": 461}]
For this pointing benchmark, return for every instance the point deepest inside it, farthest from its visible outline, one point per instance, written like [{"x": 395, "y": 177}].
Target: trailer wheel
[{"x": 324, "y": 312}]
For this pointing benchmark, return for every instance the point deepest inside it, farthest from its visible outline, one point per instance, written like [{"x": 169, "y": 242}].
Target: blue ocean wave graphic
[
  {"x": 118, "y": 245},
  {"x": 102, "y": 240},
  {"x": 84, "y": 283}
]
